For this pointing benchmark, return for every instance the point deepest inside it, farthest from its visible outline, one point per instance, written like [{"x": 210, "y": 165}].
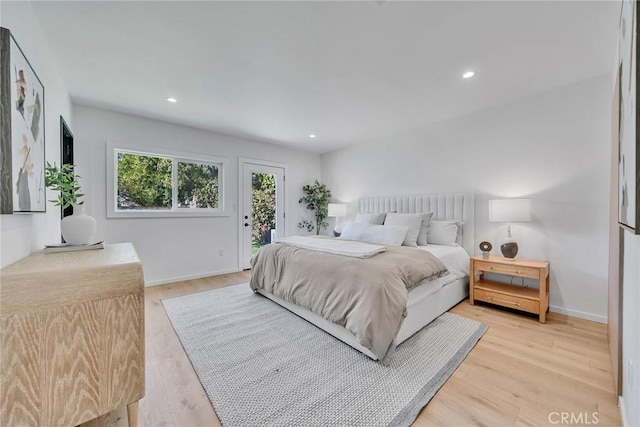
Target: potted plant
[
  {"x": 79, "y": 228},
  {"x": 316, "y": 198}
]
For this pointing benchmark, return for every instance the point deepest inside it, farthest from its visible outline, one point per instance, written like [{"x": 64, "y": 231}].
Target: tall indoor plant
[
  {"x": 316, "y": 198},
  {"x": 79, "y": 228}
]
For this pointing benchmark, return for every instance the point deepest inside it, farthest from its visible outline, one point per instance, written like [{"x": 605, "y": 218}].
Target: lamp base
[
  {"x": 509, "y": 250},
  {"x": 336, "y": 233}
]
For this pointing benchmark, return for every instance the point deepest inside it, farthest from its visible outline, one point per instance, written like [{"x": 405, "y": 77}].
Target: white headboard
[{"x": 457, "y": 206}]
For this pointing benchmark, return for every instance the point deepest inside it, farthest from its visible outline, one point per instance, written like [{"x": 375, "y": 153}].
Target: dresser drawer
[
  {"x": 511, "y": 301},
  {"x": 513, "y": 270}
]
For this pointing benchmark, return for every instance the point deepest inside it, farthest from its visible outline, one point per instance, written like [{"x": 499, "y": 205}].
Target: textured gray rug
[{"x": 262, "y": 365}]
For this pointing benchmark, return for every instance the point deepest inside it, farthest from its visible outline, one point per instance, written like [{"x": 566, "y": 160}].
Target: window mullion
[{"x": 174, "y": 186}]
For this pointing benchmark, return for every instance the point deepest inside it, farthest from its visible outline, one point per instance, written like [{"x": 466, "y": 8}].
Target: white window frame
[{"x": 112, "y": 164}]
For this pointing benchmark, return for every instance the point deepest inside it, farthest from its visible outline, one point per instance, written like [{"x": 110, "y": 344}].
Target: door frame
[
  {"x": 66, "y": 155},
  {"x": 616, "y": 252},
  {"x": 238, "y": 211}
]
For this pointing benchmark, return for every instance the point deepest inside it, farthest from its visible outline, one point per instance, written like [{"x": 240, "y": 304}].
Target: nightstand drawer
[
  {"x": 513, "y": 270},
  {"x": 523, "y": 304}
]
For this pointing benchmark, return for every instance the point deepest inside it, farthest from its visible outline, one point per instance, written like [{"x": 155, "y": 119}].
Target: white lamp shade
[
  {"x": 510, "y": 210},
  {"x": 337, "y": 209}
]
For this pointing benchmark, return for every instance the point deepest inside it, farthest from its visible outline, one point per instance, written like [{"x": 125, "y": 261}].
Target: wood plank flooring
[{"x": 521, "y": 373}]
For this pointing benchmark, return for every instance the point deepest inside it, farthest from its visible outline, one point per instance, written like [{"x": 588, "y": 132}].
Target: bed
[{"x": 430, "y": 298}]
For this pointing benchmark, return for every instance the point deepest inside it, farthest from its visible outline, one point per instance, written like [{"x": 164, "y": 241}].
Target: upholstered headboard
[{"x": 448, "y": 206}]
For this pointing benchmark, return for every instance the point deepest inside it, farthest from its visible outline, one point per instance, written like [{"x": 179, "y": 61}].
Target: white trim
[
  {"x": 190, "y": 277},
  {"x": 175, "y": 156},
  {"x": 578, "y": 314},
  {"x": 239, "y": 215},
  {"x": 258, "y": 162},
  {"x": 262, "y": 162},
  {"x": 623, "y": 412}
]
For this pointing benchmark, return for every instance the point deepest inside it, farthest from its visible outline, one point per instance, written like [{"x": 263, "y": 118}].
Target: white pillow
[
  {"x": 424, "y": 229},
  {"x": 412, "y": 221},
  {"x": 371, "y": 218},
  {"x": 444, "y": 233},
  {"x": 378, "y": 234}
]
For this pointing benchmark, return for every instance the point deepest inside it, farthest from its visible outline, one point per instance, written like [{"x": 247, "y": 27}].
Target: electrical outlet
[
  {"x": 221, "y": 252},
  {"x": 630, "y": 373}
]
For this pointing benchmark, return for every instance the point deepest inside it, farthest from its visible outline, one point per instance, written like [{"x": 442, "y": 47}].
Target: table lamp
[
  {"x": 509, "y": 210},
  {"x": 336, "y": 210}
]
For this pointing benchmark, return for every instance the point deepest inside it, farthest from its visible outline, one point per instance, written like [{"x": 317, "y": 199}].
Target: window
[
  {"x": 145, "y": 183},
  {"x": 198, "y": 185}
]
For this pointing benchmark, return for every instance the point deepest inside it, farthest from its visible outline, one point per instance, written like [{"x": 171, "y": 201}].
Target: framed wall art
[
  {"x": 22, "y": 132},
  {"x": 629, "y": 148}
]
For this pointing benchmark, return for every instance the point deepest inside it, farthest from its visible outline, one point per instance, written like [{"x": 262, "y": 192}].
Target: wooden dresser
[{"x": 71, "y": 336}]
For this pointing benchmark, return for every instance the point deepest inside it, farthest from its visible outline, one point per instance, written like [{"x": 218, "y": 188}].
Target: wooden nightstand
[{"x": 530, "y": 300}]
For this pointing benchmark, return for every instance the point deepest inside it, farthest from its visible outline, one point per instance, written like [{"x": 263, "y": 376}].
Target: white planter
[{"x": 79, "y": 228}]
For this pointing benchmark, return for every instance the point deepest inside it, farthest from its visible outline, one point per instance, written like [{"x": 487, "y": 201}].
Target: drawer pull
[{"x": 499, "y": 301}]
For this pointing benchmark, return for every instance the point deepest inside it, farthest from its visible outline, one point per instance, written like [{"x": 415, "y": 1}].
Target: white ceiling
[{"x": 348, "y": 72}]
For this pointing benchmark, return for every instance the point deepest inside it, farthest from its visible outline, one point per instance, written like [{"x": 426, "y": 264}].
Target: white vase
[{"x": 79, "y": 228}]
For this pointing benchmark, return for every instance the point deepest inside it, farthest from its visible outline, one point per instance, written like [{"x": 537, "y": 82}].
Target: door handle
[
  {"x": 246, "y": 224},
  {"x": 246, "y": 217}
]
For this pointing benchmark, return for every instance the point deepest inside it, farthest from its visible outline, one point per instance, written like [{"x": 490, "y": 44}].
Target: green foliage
[
  {"x": 144, "y": 181},
  {"x": 64, "y": 180},
  {"x": 316, "y": 198},
  {"x": 263, "y": 206},
  {"x": 197, "y": 184}
]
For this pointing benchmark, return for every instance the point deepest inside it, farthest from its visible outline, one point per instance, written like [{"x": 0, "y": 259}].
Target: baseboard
[
  {"x": 578, "y": 314},
  {"x": 190, "y": 277},
  {"x": 623, "y": 412}
]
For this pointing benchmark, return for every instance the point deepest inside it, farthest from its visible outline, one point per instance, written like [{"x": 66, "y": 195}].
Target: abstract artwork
[
  {"x": 629, "y": 151},
  {"x": 22, "y": 137}
]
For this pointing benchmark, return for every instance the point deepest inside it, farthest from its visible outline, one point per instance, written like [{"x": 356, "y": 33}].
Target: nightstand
[{"x": 521, "y": 298}]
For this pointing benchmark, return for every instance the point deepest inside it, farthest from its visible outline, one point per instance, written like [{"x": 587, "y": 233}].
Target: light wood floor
[{"x": 520, "y": 373}]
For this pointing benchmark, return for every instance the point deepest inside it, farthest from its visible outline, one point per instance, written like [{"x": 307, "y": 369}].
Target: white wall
[
  {"x": 174, "y": 249},
  {"x": 552, "y": 147},
  {"x": 631, "y": 330},
  {"x": 21, "y": 234}
]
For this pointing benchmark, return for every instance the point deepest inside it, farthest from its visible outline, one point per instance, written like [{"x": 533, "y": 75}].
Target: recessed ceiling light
[
  {"x": 312, "y": 136},
  {"x": 468, "y": 75},
  {"x": 172, "y": 100}
]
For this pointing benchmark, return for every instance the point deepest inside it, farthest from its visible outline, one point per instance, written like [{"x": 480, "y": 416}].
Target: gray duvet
[{"x": 366, "y": 296}]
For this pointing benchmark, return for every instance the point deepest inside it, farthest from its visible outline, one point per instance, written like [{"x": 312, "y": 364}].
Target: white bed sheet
[{"x": 455, "y": 258}]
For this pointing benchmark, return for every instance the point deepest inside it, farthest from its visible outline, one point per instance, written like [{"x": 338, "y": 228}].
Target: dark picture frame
[
  {"x": 22, "y": 133},
  {"x": 629, "y": 131},
  {"x": 66, "y": 155}
]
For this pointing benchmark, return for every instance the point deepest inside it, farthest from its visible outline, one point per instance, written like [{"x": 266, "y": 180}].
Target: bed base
[{"x": 419, "y": 314}]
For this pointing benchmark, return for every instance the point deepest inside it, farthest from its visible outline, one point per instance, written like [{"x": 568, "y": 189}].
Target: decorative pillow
[
  {"x": 371, "y": 233},
  {"x": 424, "y": 229},
  {"x": 371, "y": 218},
  {"x": 412, "y": 221},
  {"x": 444, "y": 233}
]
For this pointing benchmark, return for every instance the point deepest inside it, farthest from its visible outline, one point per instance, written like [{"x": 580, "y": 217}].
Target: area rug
[{"x": 262, "y": 365}]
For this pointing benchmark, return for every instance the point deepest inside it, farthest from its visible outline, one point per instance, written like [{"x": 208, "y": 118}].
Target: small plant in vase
[{"x": 79, "y": 228}]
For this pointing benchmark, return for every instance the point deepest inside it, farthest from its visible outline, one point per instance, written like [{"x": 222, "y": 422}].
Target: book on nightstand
[{"x": 65, "y": 247}]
